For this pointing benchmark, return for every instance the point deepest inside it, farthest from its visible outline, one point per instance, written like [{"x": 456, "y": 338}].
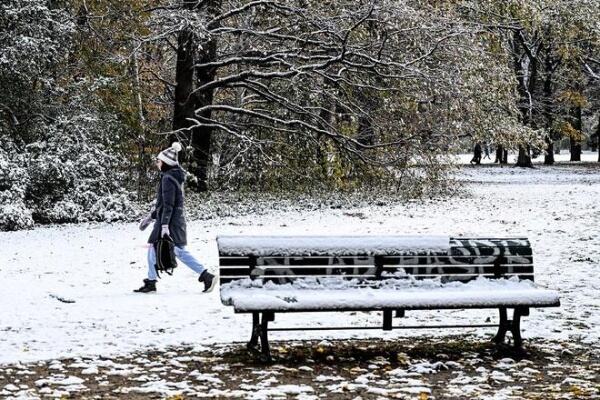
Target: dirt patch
[{"x": 446, "y": 368}]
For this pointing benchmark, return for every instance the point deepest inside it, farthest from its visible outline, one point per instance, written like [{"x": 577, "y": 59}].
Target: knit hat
[{"x": 169, "y": 156}]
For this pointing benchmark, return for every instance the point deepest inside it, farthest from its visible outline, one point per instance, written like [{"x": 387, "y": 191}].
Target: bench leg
[
  {"x": 387, "y": 320},
  {"x": 503, "y": 326},
  {"x": 516, "y": 327},
  {"x": 253, "y": 343},
  {"x": 264, "y": 335}
]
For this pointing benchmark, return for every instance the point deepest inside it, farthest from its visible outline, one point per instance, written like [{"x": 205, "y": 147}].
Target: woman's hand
[
  {"x": 145, "y": 222},
  {"x": 165, "y": 231}
]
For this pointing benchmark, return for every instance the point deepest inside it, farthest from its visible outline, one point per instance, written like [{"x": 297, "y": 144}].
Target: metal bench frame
[{"x": 261, "y": 319}]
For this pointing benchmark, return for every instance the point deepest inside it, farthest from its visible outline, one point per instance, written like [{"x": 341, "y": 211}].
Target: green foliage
[{"x": 550, "y": 44}]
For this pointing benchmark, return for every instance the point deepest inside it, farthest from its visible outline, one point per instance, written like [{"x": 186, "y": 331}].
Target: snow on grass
[
  {"x": 207, "y": 378},
  {"x": 97, "y": 266},
  {"x": 165, "y": 388}
]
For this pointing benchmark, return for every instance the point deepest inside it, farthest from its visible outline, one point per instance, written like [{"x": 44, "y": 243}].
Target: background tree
[
  {"x": 294, "y": 88},
  {"x": 549, "y": 43}
]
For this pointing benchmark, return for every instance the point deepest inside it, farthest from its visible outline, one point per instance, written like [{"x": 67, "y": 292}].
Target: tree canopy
[{"x": 279, "y": 94}]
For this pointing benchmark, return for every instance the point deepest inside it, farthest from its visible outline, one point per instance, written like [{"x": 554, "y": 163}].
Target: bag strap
[{"x": 157, "y": 264}]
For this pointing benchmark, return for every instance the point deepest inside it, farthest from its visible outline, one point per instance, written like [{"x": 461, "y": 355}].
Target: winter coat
[{"x": 169, "y": 207}]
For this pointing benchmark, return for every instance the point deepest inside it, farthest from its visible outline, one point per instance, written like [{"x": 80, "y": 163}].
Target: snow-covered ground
[{"x": 67, "y": 291}]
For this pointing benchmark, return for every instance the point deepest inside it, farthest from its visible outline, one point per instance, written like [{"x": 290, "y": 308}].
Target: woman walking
[{"x": 170, "y": 220}]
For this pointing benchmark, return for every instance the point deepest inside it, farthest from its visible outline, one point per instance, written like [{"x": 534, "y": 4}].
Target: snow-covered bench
[{"x": 272, "y": 274}]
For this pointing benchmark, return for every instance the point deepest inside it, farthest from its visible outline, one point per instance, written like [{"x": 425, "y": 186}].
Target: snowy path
[{"x": 97, "y": 267}]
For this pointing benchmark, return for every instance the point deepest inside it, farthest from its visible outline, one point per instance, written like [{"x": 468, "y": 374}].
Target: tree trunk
[
  {"x": 501, "y": 155},
  {"x": 524, "y": 159},
  {"x": 576, "y": 145},
  {"x": 327, "y": 119},
  {"x": 575, "y": 150},
  {"x": 369, "y": 103},
  {"x": 183, "y": 108},
  {"x": 187, "y": 100},
  {"x": 598, "y": 137},
  {"x": 526, "y": 82},
  {"x": 549, "y": 156},
  {"x": 549, "y": 67},
  {"x": 201, "y": 136},
  {"x": 365, "y": 133},
  {"x": 142, "y": 185}
]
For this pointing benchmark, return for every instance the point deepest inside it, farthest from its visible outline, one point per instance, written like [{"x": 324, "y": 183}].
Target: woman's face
[{"x": 158, "y": 164}]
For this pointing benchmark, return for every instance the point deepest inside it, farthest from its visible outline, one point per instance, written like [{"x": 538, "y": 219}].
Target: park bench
[{"x": 265, "y": 275}]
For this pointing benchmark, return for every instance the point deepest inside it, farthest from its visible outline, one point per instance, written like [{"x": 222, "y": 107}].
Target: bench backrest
[{"x": 464, "y": 259}]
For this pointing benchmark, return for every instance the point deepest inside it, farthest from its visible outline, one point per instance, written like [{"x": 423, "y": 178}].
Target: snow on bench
[
  {"x": 268, "y": 274},
  {"x": 247, "y": 296},
  {"x": 331, "y": 245}
]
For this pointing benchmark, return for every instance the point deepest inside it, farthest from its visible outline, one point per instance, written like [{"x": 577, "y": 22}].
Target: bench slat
[
  {"x": 371, "y": 276},
  {"x": 490, "y": 242},
  {"x": 282, "y": 279},
  {"x": 342, "y": 269},
  {"x": 491, "y": 251},
  {"x": 393, "y": 260}
]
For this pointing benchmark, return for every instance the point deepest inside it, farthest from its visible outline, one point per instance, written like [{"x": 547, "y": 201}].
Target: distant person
[
  {"x": 486, "y": 149},
  {"x": 170, "y": 220},
  {"x": 476, "y": 155}
]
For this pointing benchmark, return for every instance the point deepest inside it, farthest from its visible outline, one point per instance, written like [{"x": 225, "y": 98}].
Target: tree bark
[
  {"x": 366, "y": 133},
  {"x": 576, "y": 145},
  {"x": 549, "y": 156},
  {"x": 184, "y": 78},
  {"x": 598, "y": 137},
  {"x": 327, "y": 117},
  {"x": 142, "y": 186},
  {"x": 501, "y": 155},
  {"x": 187, "y": 99},
  {"x": 524, "y": 159},
  {"x": 201, "y": 136},
  {"x": 549, "y": 67},
  {"x": 526, "y": 78},
  {"x": 575, "y": 150}
]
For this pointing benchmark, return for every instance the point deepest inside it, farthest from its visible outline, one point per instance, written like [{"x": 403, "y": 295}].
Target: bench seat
[{"x": 482, "y": 293}]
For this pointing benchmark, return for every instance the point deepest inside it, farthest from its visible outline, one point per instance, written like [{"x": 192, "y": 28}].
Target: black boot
[
  {"x": 149, "y": 286},
  {"x": 209, "y": 281}
]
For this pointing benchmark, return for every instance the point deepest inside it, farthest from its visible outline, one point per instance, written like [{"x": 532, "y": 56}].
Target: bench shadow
[{"x": 353, "y": 351}]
